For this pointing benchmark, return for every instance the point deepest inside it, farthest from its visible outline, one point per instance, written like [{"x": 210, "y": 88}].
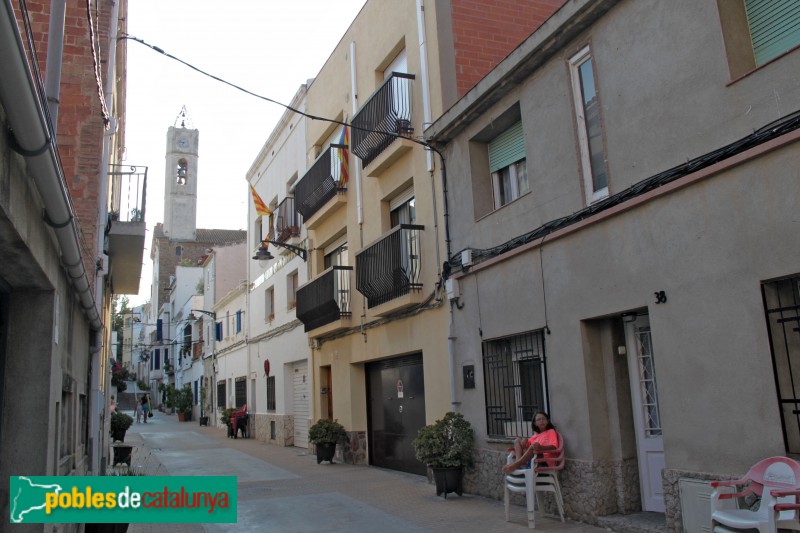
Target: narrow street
[{"x": 283, "y": 489}]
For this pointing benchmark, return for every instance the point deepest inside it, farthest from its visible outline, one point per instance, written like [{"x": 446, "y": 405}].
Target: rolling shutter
[
  {"x": 774, "y": 27},
  {"x": 507, "y": 148}
]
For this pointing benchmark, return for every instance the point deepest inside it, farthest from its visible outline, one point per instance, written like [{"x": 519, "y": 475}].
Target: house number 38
[{"x": 661, "y": 297}]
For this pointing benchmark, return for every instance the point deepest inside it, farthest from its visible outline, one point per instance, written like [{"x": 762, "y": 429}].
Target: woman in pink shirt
[{"x": 545, "y": 438}]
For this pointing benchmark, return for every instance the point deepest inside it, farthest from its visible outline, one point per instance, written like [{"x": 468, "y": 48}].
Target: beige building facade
[{"x": 373, "y": 309}]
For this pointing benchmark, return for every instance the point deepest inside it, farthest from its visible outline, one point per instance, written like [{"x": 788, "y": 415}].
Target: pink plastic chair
[
  {"x": 777, "y": 481},
  {"x": 543, "y": 477}
]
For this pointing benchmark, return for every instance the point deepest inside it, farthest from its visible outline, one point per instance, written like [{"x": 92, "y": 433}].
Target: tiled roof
[{"x": 220, "y": 235}]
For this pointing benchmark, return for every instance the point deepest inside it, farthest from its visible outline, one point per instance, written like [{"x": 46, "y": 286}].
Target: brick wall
[
  {"x": 486, "y": 32},
  {"x": 80, "y": 125}
]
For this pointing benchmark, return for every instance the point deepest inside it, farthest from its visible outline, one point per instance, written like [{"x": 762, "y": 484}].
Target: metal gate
[
  {"x": 782, "y": 305},
  {"x": 396, "y": 411}
]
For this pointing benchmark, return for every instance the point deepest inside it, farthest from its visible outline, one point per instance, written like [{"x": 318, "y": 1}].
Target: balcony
[
  {"x": 388, "y": 270},
  {"x": 287, "y": 223},
  {"x": 125, "y": 229},
  {"x": 319, "y": 185},
  {"x": 325, "y": 301},
  {"x": 386, "y": 114}
]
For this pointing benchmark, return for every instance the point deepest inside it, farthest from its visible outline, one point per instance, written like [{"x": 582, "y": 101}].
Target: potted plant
[
  {"x": 324, "y": 435},
  {"x": 183, "y": 403},
  {"x": 120, "y": 422},
  {"x": 446, "y": 447},
  {"x": 225, "y": 416}
]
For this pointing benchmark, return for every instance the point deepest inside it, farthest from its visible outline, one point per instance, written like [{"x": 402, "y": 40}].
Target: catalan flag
[
  {"x": 261, "y": 207},
  {"x": 341, "y": 153}
]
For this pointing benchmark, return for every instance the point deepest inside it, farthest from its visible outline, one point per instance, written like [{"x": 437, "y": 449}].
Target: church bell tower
[{"x": 180, "y": 180}]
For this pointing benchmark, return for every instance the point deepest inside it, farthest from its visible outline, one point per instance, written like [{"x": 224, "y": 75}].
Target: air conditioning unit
[{"x": 452, "y": 289}]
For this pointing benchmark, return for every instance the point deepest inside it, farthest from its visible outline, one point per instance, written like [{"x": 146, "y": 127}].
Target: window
[
  {"x": 270, "y": 393},
  {"x": 155, "y": 362},
  {"x": 757, "y": 31},
  {"x": 180, "y": 172},
  {"x": 402, "y": 209},
  {"x": 515, "y": 383},
  {"x": 84, "y": 427},
  {"x": 258, "y": 230},
  {"x": 782, "y": 307},
  {"x": 238, "y": 321},
  {"x": 291, "y": 290},
  {"x": 336, "y": 255},
  {"x": 240, "y": 391},
  {"x": 507, "y": 165},
  {"x": 269, "y": 304},
  {"x": 590, "y": 135},
  {"x": 218, "y": 331},
  {"x": 187, "y": 339},
  {"x": 194, "y": 387},
  {"x": 221, "y": 394},
  {"x": 774, "y": 27},
  {"x": 66, "y": 425}
]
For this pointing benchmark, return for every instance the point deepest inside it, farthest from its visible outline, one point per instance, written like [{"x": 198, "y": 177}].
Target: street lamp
[
  {"x": 264, "y": 254},
  {"x": 191, "y": 316}
]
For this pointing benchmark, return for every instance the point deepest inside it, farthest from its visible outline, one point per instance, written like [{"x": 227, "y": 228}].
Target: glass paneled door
[{"x": 646, "y": 416}]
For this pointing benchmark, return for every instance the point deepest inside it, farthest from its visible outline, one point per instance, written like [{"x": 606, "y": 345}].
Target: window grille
[
  {"x": 271, "y": 393},
  {"x": 515, "y": 372},
  {"x": 221, "y": 394},
  {"x": 240, "y": 391},
  {"x": 782, "y": 306}
]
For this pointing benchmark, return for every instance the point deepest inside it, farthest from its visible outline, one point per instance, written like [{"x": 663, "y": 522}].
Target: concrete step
[{"x": 634, "y": 523}]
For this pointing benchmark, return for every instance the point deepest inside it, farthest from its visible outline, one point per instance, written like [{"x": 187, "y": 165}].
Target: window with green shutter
[
  {"x": 774, "y": 27},
  {"x": 507, "y": 148},
  {"x": 508, "y": 166}
]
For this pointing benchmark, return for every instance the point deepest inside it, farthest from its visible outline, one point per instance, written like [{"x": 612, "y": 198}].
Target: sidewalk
[{"x": 284, "y": 489}]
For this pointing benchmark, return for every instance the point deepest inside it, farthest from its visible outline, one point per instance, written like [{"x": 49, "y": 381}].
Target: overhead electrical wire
[{"x": 270, "y": 100}]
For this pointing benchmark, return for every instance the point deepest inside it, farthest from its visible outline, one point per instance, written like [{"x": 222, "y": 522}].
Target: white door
[
  {"x": 646, "y": 417},
  {"x": 300, "y": 402}
]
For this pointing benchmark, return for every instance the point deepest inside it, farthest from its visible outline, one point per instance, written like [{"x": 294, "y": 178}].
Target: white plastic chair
[
  {"x": 543, "y": 477},
  {"x": 777, "y": 481}
]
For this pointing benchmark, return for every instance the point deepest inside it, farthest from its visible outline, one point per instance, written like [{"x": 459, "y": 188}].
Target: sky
[{"x": 265, "y": 46}]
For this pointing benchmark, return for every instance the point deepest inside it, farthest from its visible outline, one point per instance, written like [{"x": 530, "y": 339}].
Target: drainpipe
[
  {"x": 102, "y": 216},
  {"x": 55, "y": 48},
  {"x": 35, "y": 141},
  {"x": 354, "y": 91},
  {"x": 426, "y": 121}
]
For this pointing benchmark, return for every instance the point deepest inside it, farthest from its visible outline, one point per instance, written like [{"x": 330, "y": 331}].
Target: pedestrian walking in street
[
  {"x": 146, "y": 407},
  {"x": 138, "y": 412}
]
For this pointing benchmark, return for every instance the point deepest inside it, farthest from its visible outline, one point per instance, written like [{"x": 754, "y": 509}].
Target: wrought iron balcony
[
  {"x": 325, "y": 299},
  {"x": 322, "y": 181},
  {"x": 390, "y": 267},
  {"x": 126, "y": 227},
  {"x": 386, "y": 113},
  {"x": 287, "y": 223}
]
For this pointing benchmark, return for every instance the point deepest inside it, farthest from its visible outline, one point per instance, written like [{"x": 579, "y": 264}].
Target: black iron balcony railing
[
  {"x": 390, "y": 267},
  {"x": 128, "y": 193},
  {"x": 387, "y": 112},
  {"x": 325, "y": 299},
  {"x": 287, "y": 223},
  {"x": 322, "y": 181}
]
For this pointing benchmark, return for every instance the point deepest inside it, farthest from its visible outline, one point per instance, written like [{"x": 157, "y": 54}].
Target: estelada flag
[
  {"x": 261, "y": 207},
  {"x": 341, "y": 153}
]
